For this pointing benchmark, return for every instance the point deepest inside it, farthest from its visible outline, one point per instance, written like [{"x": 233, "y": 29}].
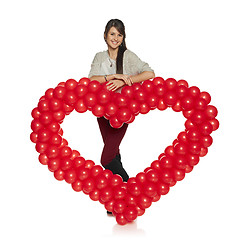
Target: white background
[{"x": 47, "y": 42}]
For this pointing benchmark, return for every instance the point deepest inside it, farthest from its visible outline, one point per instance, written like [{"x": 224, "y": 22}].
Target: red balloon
[
  {"x": 59, "y": 174},
  {"x": 198, "y": 117},
  {"x": 182, "y": 83},
  {"x": 166, "y": 175},
  {"x": 90, "y": 99},
  {"x": 134, "y": 106},
  {"x": 101, "y": 182},
  {"x": 71, "y": 84},
  {"x": 141, "y": 178},
  {"x": 80, "y": 106},
  {"x": 98, "y": 110},
  {"x": 88, "y": 185},
  {"x": 106, "y": 194},
  {"x": 121, "y": 220},
  {"x": 206, "y": 141},
  {"x": 150, "y": 189},
  {"x": 200, "y": 104},
  {"x": 53, "y": 164},
  {"x": 55, "y": 139},
  {"x": 119, "y": 206},
  {"x": 43, "y": 106},
  {"x": 181, "y": 91},
  {"x": 178, "y": 174},
  {"x": 110, "y": 109},
  {"x": 158, "y": 80},
  {"x": 95, "y": 195},
  {"x": 79, "y": 162},
  {"x": 115, "y": 180},
  {"x": 46, "y": 118},
  {"x": 124, "y": 114},
  {"x": 161, "y": 105},
  {"x": 206, "y": 128},
  {"x": 211, "y": 112},
  {"x": 160, "y": 90},
  {"x": 70, "y": 97},
  {"x": 140, "y": 95},
  {"x": 35, "y": 113},
  {"x": 180, "y": 162},
  {"x": 192, "y": 159},
  {"x": 41, "y": 147},
  {"x": 55, "y": 104},
  {"x": 170, "y": 83},
  {"x": 77, "y": 186},
  {"x": 187, "y": 103},
  {"x": 54, "y": 127},
  {"x": 134, "y": 189},
  {"x": 180, "y": 148},
  {"x": 58, "y": 116},
  {"x": 148, "y": 86},
  {"x": 194, "y": 91},
  {"x": 114, "y": 122},
  {"x": 152, "y": 101},
  {"x": 43, "y": 159},
  {"x": 177, "y": 107},
  {"x": 130, "y": 213},
  {"x": 59, "y": 92},
  {"x": 162, "y": 188},
  {"x": 44, "y": 135},
  {"x": 94, "y": 86},
  {"x": 144, "y": 108},
  {"x": 152, "y": 176},
  {"x": 49, "y": 93},
  {"x": 170, "y": 98},
  {"x": 67, "y": 108},
  {"x": 81, "y": 90},
  {"x": 214, "y": 123},
  {"x": 83, "y": 173},
  {"x": 193, "y": 134},
  {"x": 96, "y": 171},
  {"x": 194, "y": 147},
  {"x": 206, "y": 96},
  {"x": 84, "y": 81},
  {"x": 120, "y": 192},
  {"x": 103, "y": 97},
  {"x": 120, "y": 100},
  {"x": 127, "y": 91},
  {"x": 144, "y": 201},
  {"x": 109, "y": 205}
]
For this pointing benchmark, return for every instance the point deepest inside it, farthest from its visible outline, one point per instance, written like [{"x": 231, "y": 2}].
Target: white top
[{"x": 103, "y": 65}]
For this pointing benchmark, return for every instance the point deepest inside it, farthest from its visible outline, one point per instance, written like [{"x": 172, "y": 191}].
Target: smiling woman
[{"x": 117, "y": 66}]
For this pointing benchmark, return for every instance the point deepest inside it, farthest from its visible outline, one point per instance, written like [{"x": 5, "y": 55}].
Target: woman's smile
[{"x": 114, "y": 38}]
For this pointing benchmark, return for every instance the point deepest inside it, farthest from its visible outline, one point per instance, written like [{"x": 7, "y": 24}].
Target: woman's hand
[
  {"x": 124, "y": 77},
  {"x": 113, "y": 85}
]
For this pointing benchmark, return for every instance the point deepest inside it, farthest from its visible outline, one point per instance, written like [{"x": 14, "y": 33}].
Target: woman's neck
[{"x": 113, "y": 53}]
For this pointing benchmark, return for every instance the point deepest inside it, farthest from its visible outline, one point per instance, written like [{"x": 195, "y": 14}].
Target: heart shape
[{"x": 128, "y": 200}]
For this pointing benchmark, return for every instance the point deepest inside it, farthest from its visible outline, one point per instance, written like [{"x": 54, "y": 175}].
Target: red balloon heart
[{"x": 128, "y": 200}]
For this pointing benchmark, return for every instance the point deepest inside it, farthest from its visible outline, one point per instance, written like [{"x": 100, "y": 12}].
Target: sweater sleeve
[
  {"x": 141, "y": 66},
  {"x": 95, "y": 66}
]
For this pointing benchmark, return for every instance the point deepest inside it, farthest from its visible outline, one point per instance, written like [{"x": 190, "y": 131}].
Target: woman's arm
[
  {"x": 101, "y": 78},
  {"x": 142, "y": 76}
]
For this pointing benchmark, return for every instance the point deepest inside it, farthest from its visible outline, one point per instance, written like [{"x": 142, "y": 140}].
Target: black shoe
[
  {"x": 118, "y": 157},
  {"x": 116, "y": 167},
  {"x": 109, "y": 213}
]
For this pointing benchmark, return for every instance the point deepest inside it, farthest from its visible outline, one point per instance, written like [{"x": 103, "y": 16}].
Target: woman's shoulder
[
  {"x": 130, "y": 55},
  {"x": 100, "y": 56}
]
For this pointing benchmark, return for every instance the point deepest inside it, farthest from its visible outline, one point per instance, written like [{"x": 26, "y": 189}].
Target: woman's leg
[{"x": 112, "y": 138}]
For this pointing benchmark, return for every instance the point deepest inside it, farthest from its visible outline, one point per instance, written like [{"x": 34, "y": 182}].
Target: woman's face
[{"x": 114, "y": 38}]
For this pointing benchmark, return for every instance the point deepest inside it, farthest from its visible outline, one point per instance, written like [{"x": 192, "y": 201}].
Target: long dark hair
[{"x": 118, "y": 24}]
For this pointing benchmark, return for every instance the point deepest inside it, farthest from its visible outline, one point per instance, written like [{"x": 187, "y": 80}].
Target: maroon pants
[{"x": 112, "y": 138}]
